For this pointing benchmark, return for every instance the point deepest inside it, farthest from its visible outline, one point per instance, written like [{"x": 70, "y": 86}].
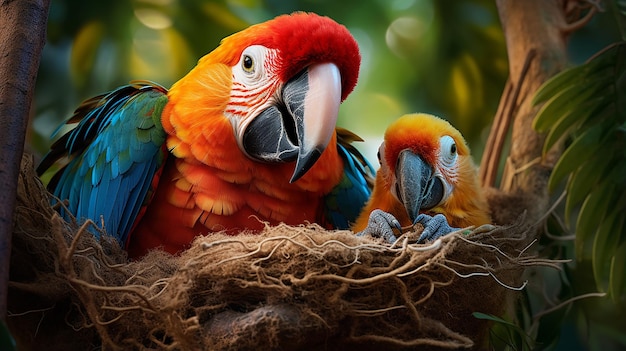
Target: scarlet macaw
[
  {"x": 426, "y": 175},
  {"x": 247, "y": 135}
]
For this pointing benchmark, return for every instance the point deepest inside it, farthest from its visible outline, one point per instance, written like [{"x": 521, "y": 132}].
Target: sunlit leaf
[
  {"x": 468, "y": 89},
  {"x": 221, "y": 14},
  {"x": 180, "y": 54},
  {"x": 162, "y": 55},
  {"x": 84, "y": 49}
]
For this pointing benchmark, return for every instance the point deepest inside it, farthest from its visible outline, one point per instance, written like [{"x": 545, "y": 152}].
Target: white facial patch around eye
[
  {"x": 447, "y": 152},
  {"x": 253, "y": 86},
  {"x": 251, "y": 70}
]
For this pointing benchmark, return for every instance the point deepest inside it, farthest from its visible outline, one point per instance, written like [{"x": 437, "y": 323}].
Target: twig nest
[{"x": 287, "y": 287}]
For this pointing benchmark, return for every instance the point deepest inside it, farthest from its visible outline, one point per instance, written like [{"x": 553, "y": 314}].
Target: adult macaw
[
  {"x": 248, "y": 135},
  {"x": 426, "y": 175}
]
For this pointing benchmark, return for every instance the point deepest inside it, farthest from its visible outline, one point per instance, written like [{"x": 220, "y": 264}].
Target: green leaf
[
  {"x": 565, "y": 78},
  {"x": 573, "y": 118},
  {"x": 576, "y": 76},
  {"x": 556, "y": 83},
  {"x": 604, "y": 114},
  {"x": 592, "y": 212},
  {"x": 604, "y": 245},
  {"x": 570, "y": 88},
  {"x": 617, "y": 275},
  {"x": 583, "y": 147},
  {"x": 566, "y": 102},
  {"x": 584, "y": 180}
]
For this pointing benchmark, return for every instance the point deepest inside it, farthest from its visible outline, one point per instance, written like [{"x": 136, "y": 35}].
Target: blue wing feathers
[
  {"x": 136, "y": 199},
  {"x": 344, "y": 203},
  {"x": 122, "y": 163},
  {"x": 114, "y": 152}
]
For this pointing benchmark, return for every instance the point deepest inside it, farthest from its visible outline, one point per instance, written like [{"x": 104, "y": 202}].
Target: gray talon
[
  {"x": 381, "y": 225},
  {"x": 434, "y": 227}
]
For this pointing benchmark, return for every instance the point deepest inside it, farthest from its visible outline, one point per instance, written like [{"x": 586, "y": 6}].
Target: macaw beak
[
  {"x": 416, "y": 187},
  {"x": 299, "y": 126}
]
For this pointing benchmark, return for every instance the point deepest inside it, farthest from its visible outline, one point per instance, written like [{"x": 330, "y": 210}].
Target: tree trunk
[
  {"x": 22, "y": 36},
  {"x": 535, "y": 32}
]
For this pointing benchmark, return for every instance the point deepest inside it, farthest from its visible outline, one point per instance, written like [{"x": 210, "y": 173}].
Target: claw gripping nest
[{"x": 288, "y": 288}]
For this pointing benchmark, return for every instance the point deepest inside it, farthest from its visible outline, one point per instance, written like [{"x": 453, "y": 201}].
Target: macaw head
[
  {"x": 424, "y": 163},
  {"x": 285, "y": 80}
]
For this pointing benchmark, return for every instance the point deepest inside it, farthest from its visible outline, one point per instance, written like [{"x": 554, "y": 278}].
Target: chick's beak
[{"x": 416, "y": 187}]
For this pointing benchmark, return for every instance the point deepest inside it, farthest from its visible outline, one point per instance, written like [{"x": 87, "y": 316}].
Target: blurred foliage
[{"x": 445, "y": 57}]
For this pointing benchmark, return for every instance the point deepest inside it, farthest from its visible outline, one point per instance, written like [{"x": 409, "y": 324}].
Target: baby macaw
[
  {"x": 248, "y": 135},
  {"x": 426, "y": 175}
]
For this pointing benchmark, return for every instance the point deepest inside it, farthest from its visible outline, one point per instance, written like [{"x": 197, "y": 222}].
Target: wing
[
  {"x": 344, "y": 203},
  {"x": 114, "y": 156}
]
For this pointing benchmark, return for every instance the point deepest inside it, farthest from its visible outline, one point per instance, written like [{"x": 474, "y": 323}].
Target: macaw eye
[
  {"x": 448, "y": 153},
  {"x": 247, "y": 63},
  {"x": 252, "y": 65}
]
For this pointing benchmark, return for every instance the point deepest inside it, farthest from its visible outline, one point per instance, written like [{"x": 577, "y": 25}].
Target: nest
[{"x": 287, "y": 288}]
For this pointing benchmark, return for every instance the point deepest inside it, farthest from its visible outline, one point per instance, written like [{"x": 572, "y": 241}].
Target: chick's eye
[
  {"x": 247, "y": 63},
  {"x": 448, "y": 149}
]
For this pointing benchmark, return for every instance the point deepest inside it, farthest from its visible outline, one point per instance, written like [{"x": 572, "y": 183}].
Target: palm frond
[{"x": 585, "y": 107}]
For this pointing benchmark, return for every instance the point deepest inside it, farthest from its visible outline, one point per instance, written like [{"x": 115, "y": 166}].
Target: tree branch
[
  {"x": 501, "y": 124},
  {"x": 22, "y": 36}
]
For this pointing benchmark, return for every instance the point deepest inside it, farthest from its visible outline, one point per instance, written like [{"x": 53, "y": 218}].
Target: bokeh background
[{"x": 445, "y": 57}]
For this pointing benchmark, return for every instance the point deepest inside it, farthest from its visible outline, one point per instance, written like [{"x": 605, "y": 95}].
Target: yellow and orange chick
[{"x": 426, "y": 175}]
